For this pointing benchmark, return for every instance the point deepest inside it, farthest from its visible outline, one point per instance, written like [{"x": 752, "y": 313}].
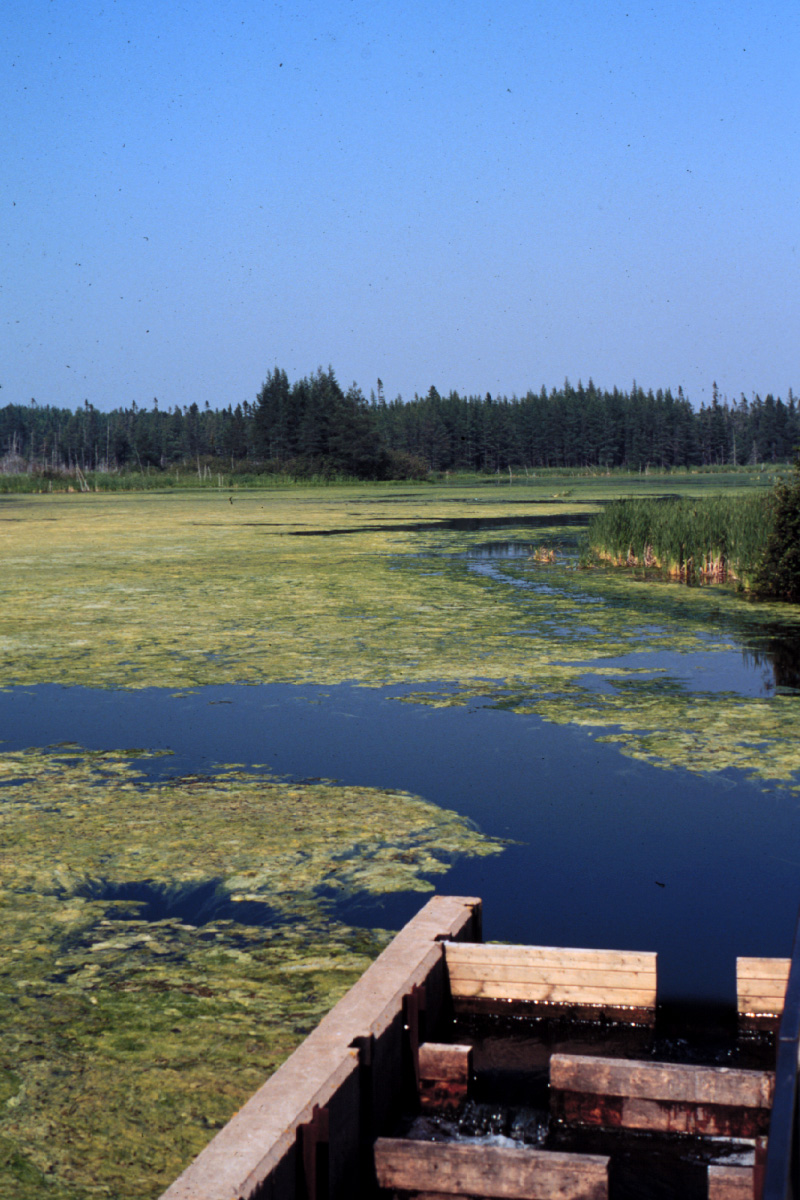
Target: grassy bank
[{"x": 216, "y": 474}]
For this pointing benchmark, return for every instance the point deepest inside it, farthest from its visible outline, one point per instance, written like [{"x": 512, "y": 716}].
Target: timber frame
[{"x": 324, "y": 1126}]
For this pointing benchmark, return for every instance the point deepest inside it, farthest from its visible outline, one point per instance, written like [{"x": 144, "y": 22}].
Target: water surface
[{"x": 605, "y": 850}]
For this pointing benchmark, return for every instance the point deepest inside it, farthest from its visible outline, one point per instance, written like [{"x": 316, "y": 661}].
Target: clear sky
[{"x": 480, "y": 196}]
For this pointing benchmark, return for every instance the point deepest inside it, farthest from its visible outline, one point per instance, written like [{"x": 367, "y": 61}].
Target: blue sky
[{"x": 485, "y": 197}]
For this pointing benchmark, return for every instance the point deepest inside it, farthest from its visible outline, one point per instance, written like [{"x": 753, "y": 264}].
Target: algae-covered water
[{"x": 235, "y": 758}]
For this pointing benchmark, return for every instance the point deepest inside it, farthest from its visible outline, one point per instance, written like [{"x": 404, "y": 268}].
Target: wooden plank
[
  {"x": 444, "y": 1075},
  {"x": 662, "y": 1081},
  {"x": 731, "y": 1183},
  {"x": 438, "y": 1060},
  {"x": 763, "y": 968},
  {"x": 542, "y": 973},
  {"x": 552, "y": 975},
  {"x": 761, "y": 991},
  {"x": 761, "y": 984},
  {"x": 659, "y": 1116},
  {"x": 488, "y": 952},
  {"x": 541, "y": 993},
  {"x": 439, "y": 1195},
  {"x": 506, "y": 1173}
]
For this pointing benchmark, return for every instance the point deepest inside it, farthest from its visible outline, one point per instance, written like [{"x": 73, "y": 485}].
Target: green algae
[
  {"x": 182, "y": 591},
  {"x": 134, "y": 591},
  {"x": 126, "y": 1041}
]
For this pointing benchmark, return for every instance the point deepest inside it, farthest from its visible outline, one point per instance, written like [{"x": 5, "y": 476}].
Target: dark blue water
[{"x": 609, "y": 852}]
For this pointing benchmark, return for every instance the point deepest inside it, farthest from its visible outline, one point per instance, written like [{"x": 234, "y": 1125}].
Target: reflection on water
[
  {"x": 759, "y": 667},
  {"x": 738, "y": 671},
  {"x": 779, "y": 655},
  {"x": 501, "y": 550}
]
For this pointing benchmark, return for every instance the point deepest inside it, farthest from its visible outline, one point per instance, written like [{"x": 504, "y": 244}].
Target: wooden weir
[
  {"x": 329, "y": 1124},
  {"x": 591, "y": 983}
]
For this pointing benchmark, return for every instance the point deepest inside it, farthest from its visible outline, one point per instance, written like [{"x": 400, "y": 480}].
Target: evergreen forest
[{"x": 314, "y": 428}]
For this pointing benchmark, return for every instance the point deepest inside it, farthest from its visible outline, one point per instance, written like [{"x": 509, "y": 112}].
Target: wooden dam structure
[{"x": 442, "y": 1025}]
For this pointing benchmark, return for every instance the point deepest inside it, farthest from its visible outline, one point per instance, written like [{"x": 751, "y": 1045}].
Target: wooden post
[
  {"x": 731, "y": 1183},
  {"x": 413, "y": 1021},
  {"x": 312, "y": 1138},
  {"x": 444, "y": 1075},
  {"x": 760, "y": 992}
]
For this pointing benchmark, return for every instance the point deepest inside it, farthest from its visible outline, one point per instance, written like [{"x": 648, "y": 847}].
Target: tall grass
[
  {"x": 710, "y": 538},
  {"x": 160, "y": 481}
]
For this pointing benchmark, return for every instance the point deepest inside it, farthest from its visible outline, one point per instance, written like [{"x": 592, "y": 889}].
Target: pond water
[{"x": 604, "y": 850}]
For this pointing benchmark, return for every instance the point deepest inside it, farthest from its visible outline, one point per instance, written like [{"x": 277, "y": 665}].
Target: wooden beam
[
  {"x": 544, "y": 975},
  {"x": 731, "y": 1183},
  {"x": 444, "y": 1074},
  {"x": 445, "y": 1060},
  {"x": 457, "y": 1169},
  {"x": 665, "y": 1097},
  {"x": 761, "y": 985}
]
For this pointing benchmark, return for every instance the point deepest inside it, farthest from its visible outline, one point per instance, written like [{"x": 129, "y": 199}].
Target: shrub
[{"x": 778, "y": 574}]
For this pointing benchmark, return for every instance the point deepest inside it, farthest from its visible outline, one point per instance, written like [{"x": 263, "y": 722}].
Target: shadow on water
[
  {"x": 456, "y": 524},
  {"x": 391, "y": 910}
]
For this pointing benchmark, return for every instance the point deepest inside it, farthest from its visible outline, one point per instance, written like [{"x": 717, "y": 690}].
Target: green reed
[{"x": 714, "y": 537}]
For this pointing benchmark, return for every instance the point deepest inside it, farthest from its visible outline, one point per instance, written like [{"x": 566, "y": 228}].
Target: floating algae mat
[
  {"x": 181, "y": 591},
  {"x": 173, "y": 926},
  {"x": 165, "y": 946}
]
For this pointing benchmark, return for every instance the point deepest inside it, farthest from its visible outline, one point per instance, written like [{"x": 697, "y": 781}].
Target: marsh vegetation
[
  {"x": 177, "y": 916},
  {"x": 750, "y": 539},
  {"x": 708, "y": 539}
]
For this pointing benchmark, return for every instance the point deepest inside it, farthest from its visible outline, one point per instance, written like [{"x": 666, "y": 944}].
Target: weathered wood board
[
  {"x": 483, "y": 976},
  {"x": 731, "y": 1183},
  {"x": 760, "y": 991},
  {"x": 663, "y": 1097},
  {"x": 506, "y": 1173},
  {"x": 444, "y": 1074}
]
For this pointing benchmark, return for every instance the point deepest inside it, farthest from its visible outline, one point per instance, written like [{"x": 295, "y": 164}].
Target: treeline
[{"x": 313, "y": 427}]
